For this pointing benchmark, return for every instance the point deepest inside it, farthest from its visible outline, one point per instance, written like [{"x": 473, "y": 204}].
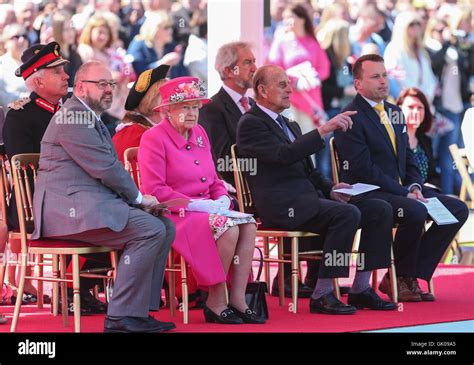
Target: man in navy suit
[
  {"x": 290, "y": 194},
  {"x": 376, "y": 151},
  {"x": 235, "y": 63}
]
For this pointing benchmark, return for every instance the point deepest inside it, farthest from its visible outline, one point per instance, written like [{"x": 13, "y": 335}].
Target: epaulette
[{"x": 19, "y": 104}]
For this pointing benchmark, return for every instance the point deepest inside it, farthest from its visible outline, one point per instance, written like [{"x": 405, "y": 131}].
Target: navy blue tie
[{"x": 283, "y": 126}]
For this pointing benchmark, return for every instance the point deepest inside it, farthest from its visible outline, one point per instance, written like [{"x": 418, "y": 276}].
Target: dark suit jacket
[
  {"x": 366, "y": 150},
  {"x": 286, "y": 188},
  {"x": 220, "y": 118}
]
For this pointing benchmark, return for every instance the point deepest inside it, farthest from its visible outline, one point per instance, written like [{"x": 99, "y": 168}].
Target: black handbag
[{"x": 255, "y": 293}]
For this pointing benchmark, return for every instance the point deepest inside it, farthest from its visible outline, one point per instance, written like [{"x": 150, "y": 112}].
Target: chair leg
[
  {"x": 64, "y": 304},
  {"x": 95, "y": 290},
  {"x": 114, "y": 262},
  {"x": 171, "y": 301},
  {"x": 374, "y": 279},
  {"x": 281, "y": 273},
  {"x": 393, "y": 277},
  {"x": 55, "y": 273},
  {"x": 431, "y": 286},
  {"x": 16, "y": 314},
  {"x": 294, "y": 273},
  {"x": 184, "y": 285},
  {"x": 75, "y": 290},
  {"x": 40, "y": 282},
  {"x": 266, "y": 264},
  {"x": 337, "y": 292}
]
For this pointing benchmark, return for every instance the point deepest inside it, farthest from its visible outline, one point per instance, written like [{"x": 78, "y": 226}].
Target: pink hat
[{"x": 182, "y": 89}]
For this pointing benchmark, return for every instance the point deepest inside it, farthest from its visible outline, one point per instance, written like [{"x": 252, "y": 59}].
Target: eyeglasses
[
  {"x": 412, "y": 24},
  {"x": 102, "y": 84},
  {"x": 18, "y": 36}
]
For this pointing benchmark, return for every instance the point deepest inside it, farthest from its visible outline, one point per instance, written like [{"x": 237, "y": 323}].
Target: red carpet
[{"x": 454, "y": 290}]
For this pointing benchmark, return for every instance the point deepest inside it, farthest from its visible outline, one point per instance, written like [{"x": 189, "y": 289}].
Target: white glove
[
  {"x": 224, "y": 202},
  {"x": 210, "y": 206}
]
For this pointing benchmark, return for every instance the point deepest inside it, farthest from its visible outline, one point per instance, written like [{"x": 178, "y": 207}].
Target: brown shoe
[
  {"x": 405, "y": 294},
  {"x": 415, "y": 287}
]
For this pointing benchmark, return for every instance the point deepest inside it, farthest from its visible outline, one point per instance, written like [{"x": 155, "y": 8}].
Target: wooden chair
[
  {"x": 246, "y": 205},
  {"x": 6, "y": 186},
  {"x": 131, "y": 165},
  {"x": 462, "y": 165},
  {"x": 24, "y": 171}
]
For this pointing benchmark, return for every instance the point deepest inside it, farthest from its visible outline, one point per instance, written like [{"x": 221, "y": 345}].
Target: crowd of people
[{"x": 347, "y": 69}]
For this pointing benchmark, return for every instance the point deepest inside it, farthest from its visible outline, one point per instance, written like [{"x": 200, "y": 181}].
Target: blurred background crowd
[{"x": 427, "y": 44}]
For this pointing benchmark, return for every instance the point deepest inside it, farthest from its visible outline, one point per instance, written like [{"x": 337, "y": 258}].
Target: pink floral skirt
[{"x": 219, "y": 223}]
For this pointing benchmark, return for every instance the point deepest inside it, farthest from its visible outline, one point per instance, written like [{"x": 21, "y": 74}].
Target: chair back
[
  {"x": 244, "y": 196},
  {"x": 335, "y": 163},
  {"x": 5, "y": 187},
  {"x": 462, "y": 165},
  {"x": 130, "y": 157},
  {"x": 24, "y": 168}
]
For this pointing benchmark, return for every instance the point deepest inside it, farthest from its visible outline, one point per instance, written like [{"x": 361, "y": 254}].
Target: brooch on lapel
[{"x": 199, "y": 141}]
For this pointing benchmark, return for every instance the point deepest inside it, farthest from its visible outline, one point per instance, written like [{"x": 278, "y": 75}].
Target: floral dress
[{"x": 219, "y": 223}]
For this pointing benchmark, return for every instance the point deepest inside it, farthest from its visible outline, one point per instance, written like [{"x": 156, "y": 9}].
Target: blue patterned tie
[{"x": 283, "y": 126}]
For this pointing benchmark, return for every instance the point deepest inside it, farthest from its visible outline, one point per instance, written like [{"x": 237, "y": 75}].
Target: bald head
[
  {"x": 94, "y": 85},
  {"x": 91, "y": 68},
  {"x": 272, "y": 88}
]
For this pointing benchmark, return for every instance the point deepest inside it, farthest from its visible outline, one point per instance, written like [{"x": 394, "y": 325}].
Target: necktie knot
[
  {"x": 245, "y": 103},
  {"x": 280, "y": 121},
  {"x": 379, "y": 107}
]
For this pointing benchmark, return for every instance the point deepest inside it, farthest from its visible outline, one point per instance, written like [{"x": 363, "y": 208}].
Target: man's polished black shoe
[
  {"x": 91, "y": 302},
  {"x": 227, "y": 316},
  {"x": 249, "y": 316},
  {"x": 304, "y": 291},
  {"x": 135, "y": 324},
  {"x": 369, "y": 299},
  {"x": 329, "y": 304}
]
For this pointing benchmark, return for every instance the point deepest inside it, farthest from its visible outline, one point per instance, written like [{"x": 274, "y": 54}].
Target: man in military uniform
[{"x": 25, "y": 124}]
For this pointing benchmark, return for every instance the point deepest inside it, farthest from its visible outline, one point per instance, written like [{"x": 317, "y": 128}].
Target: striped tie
[{"x": 383, "y": 118}]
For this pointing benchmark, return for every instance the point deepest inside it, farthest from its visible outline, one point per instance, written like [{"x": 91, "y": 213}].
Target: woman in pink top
[
  {"x": 175, "y": 161},
  {"x": 298, "y": 52}
]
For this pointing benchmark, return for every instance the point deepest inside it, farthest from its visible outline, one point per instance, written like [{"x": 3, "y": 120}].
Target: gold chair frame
[{"x": 24, "y": 166}]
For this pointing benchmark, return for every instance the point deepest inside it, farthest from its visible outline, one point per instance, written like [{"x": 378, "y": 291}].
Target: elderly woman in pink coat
[{"x": 175, "y": 161}]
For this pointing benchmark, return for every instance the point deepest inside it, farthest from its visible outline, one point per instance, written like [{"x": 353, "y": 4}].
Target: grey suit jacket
[{"x": 81, "y": 185}]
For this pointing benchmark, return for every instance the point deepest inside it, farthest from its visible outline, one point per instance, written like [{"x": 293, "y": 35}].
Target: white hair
[
  {"x": 227, "y": 56},
  {"x": 30, "y": 81}
]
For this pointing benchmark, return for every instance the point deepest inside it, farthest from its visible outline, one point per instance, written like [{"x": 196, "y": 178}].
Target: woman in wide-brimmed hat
[
  {"x": 141, "y": 100},
  {"x": 175, "y": 161}
]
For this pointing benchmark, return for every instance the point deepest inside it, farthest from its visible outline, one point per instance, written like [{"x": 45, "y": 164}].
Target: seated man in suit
[
  {"x": 290, "y": 194},
  {"x": 83, "y": 193},
  {"x": 376, "y": 151},
  {"x": 235, "y": 63}
]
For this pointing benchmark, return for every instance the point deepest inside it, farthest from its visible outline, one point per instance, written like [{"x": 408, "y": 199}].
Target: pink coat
[{"x": 172, "y": 168}]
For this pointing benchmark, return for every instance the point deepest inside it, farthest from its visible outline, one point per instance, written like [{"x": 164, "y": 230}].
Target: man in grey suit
[{"x": 83, "y": 193}]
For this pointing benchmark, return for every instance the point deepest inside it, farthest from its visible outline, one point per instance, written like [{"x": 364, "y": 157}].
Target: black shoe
[
  {"x": 304, "y": 291},
  {"x": 85, "y": 310},
  {"x": 249, "y": 316},
  {"x": 135, "y": 324},
  {"x": 91, "y": 302},
  {"x": 369, "y": 299},
  {"x": 329, "y": 304},
  {"x": 227, "y": 316}
]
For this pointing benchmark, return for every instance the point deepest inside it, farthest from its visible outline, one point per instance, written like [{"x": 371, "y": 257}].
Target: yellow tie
[{"x": 383, "y": 117}]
